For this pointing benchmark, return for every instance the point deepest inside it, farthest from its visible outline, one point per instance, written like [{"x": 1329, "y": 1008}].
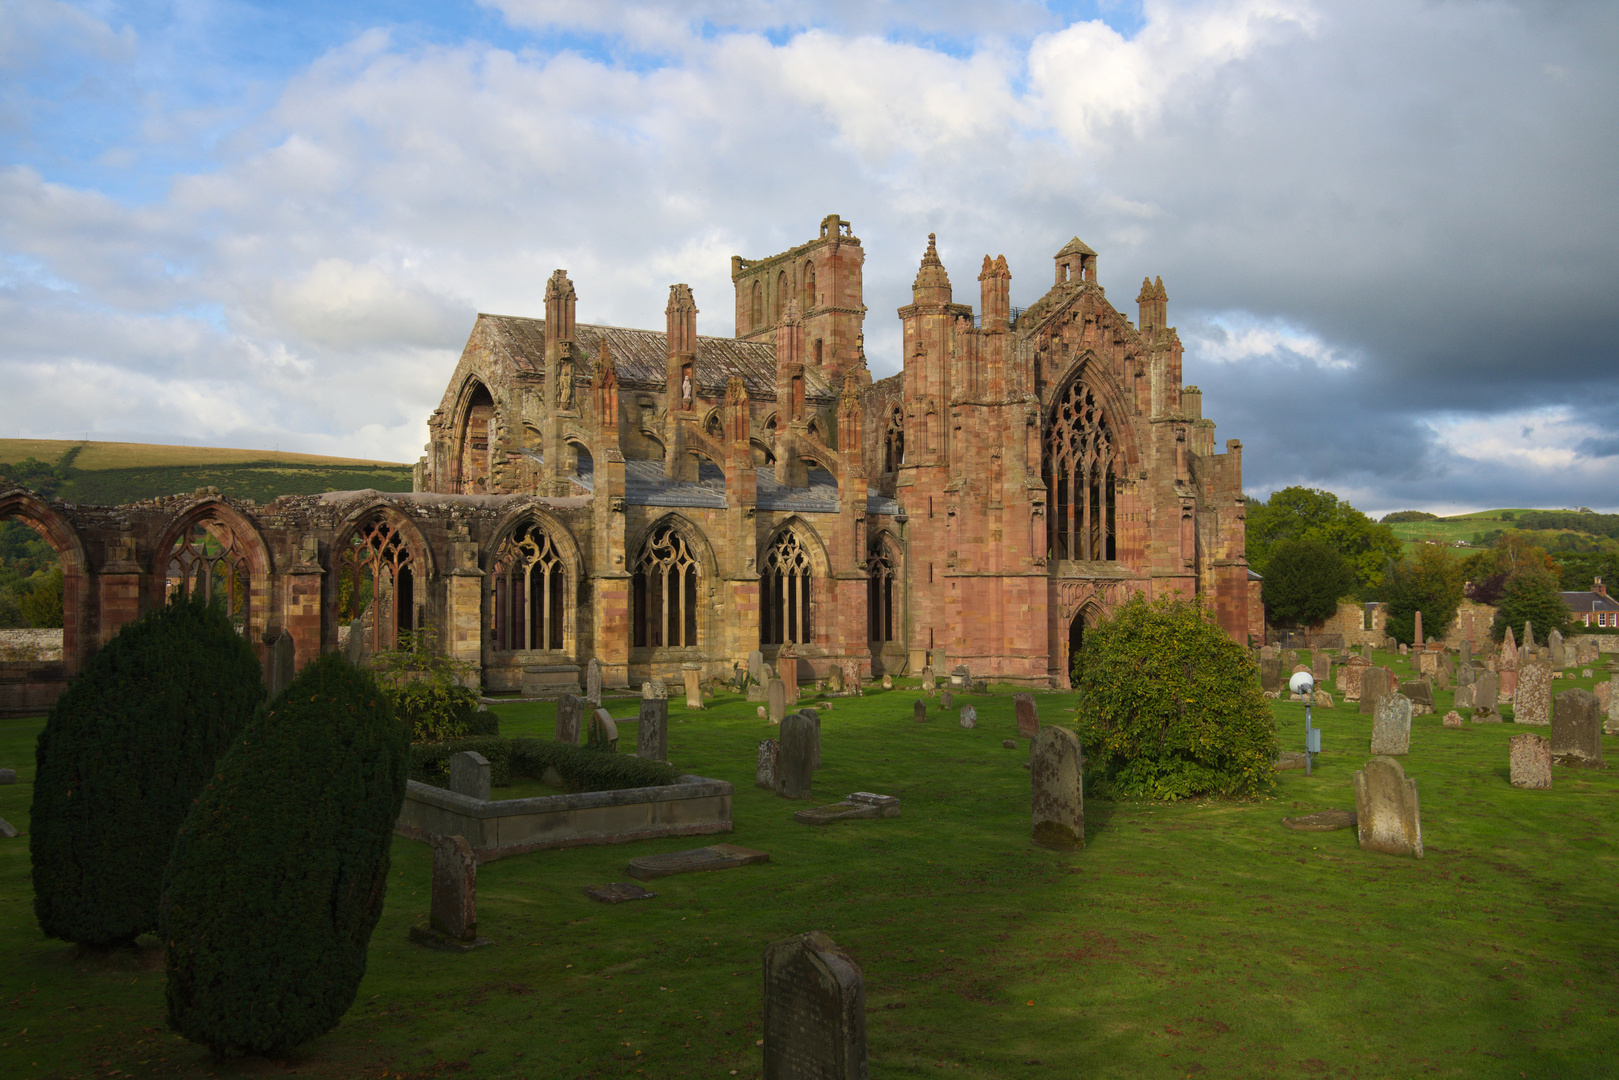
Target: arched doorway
[{"x": 475, "y": 435}]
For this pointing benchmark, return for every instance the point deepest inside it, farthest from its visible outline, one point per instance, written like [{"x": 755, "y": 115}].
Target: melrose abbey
[{"x": 659, "y": 500}]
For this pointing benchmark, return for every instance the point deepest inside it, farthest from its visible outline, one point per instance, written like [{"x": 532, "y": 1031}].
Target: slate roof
[
  {"x": 1581, "y": 602},
  {"x": 640, "y": 356}
]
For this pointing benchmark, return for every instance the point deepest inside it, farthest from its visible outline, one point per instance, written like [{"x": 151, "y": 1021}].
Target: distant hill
[
  {"x": 1554, "y": 530},
  {"x": 109, "y": 473}
]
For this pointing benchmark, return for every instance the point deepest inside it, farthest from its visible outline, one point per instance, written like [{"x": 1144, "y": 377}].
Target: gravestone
[
  {"x": 814, "y": 1011},
  {"x": 356, "y": 649},
  {"x": 1463, "y": 698},
  {"x": 756, "y": 664},
  {"x": 1427, "y": 662},
  {"x": 570, "y": 717},
  {"x": 814, "y": 717},
  {"x": 1610, "y": 726},
  {"x": 1290, "y": 659},
  {"x": 852, "y": 683},
  {"x": 1576, "y": 729},
  {"x": 1270, "y": 675},
  {"x": 765, "y": 775},
  {"x": 652, "y": 730},
  {"x": 469, "y": 775},
  {"x": 1404, "y": 649},
  {"x": 1028, "y": 715},
  {"x": 618, "y": 892},
  {"x": 1530, "y": 759},
  {"x": 1349, "y": 676},
  {"x": 787, "y": 672},
  {"x": 795, "y": 757},
  {"x": 655, "y": 688},
  {"x": 969, "y": 716},
  {"x": 593, "y": 681},
  {"x": 8, "y": 776},
  {"x": 919, "y": 711},
  {"x": 1323, "y": 700},
  {"x": 692, "y": 675},
  {"x": 888, "y": 682},
  {"x": 960, "y": 677},
  {"x": 1391, "y": 726},
  {"x": 694, "y": 860},
  {"x": 1466, "y": 674},
  {"x": 1321, "y": 668},
  {"x": 283, "y": 664},
  {"x": 1604, "y": 694},
  {"x": 834, "y": 680},
  {"x": 1374, "y": 687},
  {"x": 1267, "y": 652},
  {"x": 776, "y": 696},
  {"x": 604, "y": 729},
  {"x": 929, "y": 685},
  {"x": 1416, "y": 634},
  {"x": 947, "y": 700},
  {"x": 452, "y": 921},
  {"x": 1453, "y": 719},
  {"x": 1058, "y": 800},
  {"x": 1528, "y": 646},
  {"x": 1465, "y": 658},
  {"x": 1419, "y": 692},
  {"x": 1485, "y": 695},
  {"x": 1532, "y": 704},
  {"x": 1554, "y": 642},
  {"x": 861, "y": 806},
  {"x": 1506, "y": 666},
  {"x": 1387, "y": 815},
  {"x": 1586, "y": 652},
  {"x": 756, "y": 691}
]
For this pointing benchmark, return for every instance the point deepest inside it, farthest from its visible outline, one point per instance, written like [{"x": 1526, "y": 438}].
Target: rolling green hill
[{"x": 1554, "y": 530}]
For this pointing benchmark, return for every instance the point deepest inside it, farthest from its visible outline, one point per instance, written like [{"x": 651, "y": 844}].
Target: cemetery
[{"x": 1010, "y": 921}]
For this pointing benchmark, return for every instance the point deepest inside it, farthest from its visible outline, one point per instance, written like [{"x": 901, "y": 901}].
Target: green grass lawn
[{"x": 1191, "y": 940}]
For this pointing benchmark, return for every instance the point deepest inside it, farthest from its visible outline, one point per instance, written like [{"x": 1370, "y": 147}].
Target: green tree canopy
[
  {"x": 1303, "y": 582},
  {"x": 1430, "y": 582},
  {"x": 1298, "y": 513},
  {"x": 1531, "y": 595}
]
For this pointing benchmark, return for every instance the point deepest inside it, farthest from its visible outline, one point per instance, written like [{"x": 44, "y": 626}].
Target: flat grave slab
[
  {"x": 618, "y": 892},
  {"x": 1322, "y": 821},
  {"x": 715, "y": 857},
  {"x": 862, "y": 805}
]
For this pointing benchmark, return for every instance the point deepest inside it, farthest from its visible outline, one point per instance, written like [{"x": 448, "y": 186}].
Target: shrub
[
  {"x": 581, "y": 767},
  {"x": 1169, "y": 706},
  {"x": 278, "y": 874},
  {"x": 124, "y": 752},
  {"x": 434, "y": 694},
  {"x": 1531, "y": 595},
  {"x": 1303, "y": 582}
]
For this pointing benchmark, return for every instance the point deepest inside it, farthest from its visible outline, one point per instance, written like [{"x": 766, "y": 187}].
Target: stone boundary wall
[{"x": 31, "y": 646}]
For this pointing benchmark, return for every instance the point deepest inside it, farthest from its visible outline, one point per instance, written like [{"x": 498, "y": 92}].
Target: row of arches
[{"x": 776, "y": 302}]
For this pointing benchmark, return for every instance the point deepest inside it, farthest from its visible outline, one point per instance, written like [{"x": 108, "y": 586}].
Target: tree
[
  {"x": 42, "y": 607},
  {"x": 1298, "y": 513},
  {"x": 124, "y": 752},
  {"x": 279, "y": 873},
  {"x": 1430, "y": 582},
  {"x": 1169, "y": 706},
  {"x": 1303, "y": 582},
  {"x": 1531, "y": 595}
]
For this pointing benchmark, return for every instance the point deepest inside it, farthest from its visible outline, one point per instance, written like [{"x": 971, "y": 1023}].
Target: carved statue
[
  {"x": 685, "y": 389},
  {"x": 565, "y": 383}
]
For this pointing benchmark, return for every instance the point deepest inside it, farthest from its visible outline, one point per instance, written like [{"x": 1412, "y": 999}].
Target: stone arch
[
  {"x": 673, "y": 573},
  {"x": 532, "y": 591},
  {"x": 60, "y": 535},
  {"x": 212, "y": 549},
  {"x": 473, "y": 434},
  {"x": 1085, "y": 462},
  {"x": 381, "y": 570},
  {"x": 885, "y": 576},
  {"x": 793, "y": 573},
  {"x": 809, "y": 287}
]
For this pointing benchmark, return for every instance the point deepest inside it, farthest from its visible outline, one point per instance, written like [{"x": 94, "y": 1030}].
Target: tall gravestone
[
  {"x": 282, "y": 664},
  {"x": 1465, "y": 674},
  {"x": 1506, "y": 667},
  {"x": 834, "y": 679},
  {"x": 1387, "y": 815},
  {"x": 593, "y": 681},
  {"x": 1529, "y": 758},
  {"x": 756, "y": 666},
  {"x": 452, "y": 921},
  {"x": 814, "y": 716},
  {"x": 814, "y": 1011},
  {"x": 1554, "y": 641},
  {"x": 692, "y": 674},
  {"x": 1577, "y": 728},
  {"x": 1466, "y": 657},
  {"x": 1028, "y": 715},
  {"x": 1374, "y": 687},
  {"x": 1270, "y": 675},
  {"x": 1391, "y": 725},
  {"x": 570, "y": 719},
  {"x": 1611, "y": 725},
  {"x": 652, "y": 730},
  {"x": 919, "y": 711},
  {"x": 1058, "y": 800},
  {"x": 787, "y": 672},
  {"x": 1532, "y": 703},
  {"x": 469, "y": 775},
  {"x": 795, "y": 757},
  {"x": 356, "y": 649},
  {"x": 1321, "y": 668},
  {"x": 852, "y": 682},
  {"x": 765, "y": 775},
  {"x": 776, "y": 700},
  {"x": 1485, "y": 691},
  {"x": 969, "y": 716}
]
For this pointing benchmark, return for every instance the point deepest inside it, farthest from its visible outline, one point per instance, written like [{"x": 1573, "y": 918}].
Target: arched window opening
[
  {"x": 583, "y": 464},
  {"x": 894, "y": 442},
  {"x": 206, "y": 561},
  {"x": 782, "y": 291},
  {"x": 476, "y": 435},
  {"x": 32, "y": 573},
  {"x": 784, "y": 592},
  {"x": 714, "y": 427},
  {"x": 882, "y": 574},
  {"x": 809, "y": 287},
  {"x": 531, "y": 589},
  {"x": 376, "y": 583},
  {"x": 758, "y": 305},
  {"x": 1079, "y": 465},
  {"x": 664, "y": 591}
]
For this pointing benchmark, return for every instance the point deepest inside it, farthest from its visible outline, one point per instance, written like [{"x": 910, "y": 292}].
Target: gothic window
[
  {"x": 1080, "y": 466},
  {"x": 809, "y": 286},
  {"x": 714, "y": 427},
  {"x": 894, "y": 442},
  {"x": 784, "y": 592},
  {"x": 782, "y": 291},
  {"x": 531, "y": 591},
  {"x": 758, "y": 305},
  {"x": 882, "y": 593},
  {"x": 664, "y": 588},
  {"x": 376, "y": 582},
  {"x": 207, "y": 562}
]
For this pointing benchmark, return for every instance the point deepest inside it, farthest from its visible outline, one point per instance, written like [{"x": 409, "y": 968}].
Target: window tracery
[
  {"x": 376, "y": 582},
  {"x": 664, "y": 591},
  {"x": 1080, "y": 467},
  {"x": 882, "y": 573},
  {"x": 530, "y": 592},
  {"x": 206, "y": 561},
  {"x": 784, "y": 591}
]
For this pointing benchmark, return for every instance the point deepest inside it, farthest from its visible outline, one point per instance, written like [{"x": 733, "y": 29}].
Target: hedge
[{"x": 582, "y": 768}]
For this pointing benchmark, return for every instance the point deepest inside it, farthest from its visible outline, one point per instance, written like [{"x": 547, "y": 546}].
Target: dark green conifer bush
[
  {"x": 1169, "y": 707},
  {"x": 125, "y": 750},
  {"x": 278, "y": 874}
]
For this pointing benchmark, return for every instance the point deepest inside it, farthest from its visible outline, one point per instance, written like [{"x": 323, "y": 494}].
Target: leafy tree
[
  {"x": 1298, "y": 513},
  {"x": 1407, "y": 515},
  {"x": 435, "y": 695},
  {"x": 1303, "y": 582},
  {"x": 1430, "y": 582},
  {"x": 42, "y": 605},
  {"x": 1169, "y": 706},
  {"x": 124, "y": 752},
  {"x": 31, "y": 473},
  {"x": 279, "y": 872},
  {"x": 1577, "y": 571},
  {"x": 1531, "y": 595}
]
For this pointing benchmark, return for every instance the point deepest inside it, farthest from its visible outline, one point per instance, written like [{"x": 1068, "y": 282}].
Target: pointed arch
[
  {"x": 473, "y": 429},
  {"x": 790, "y": 562},
  {"x": 55, "y": 530},
  {"x": 1081, "y": 466},
  {"x": 758, "y": 305},
  {"x": 381, "y": 569},
  {"x": 533, "y": 584},
  {"x": 212, "y": 550},
  {"x": 808, "y": 302},
  {"x": 670, "y": 578},
  {"x": 884, "y": 558}
]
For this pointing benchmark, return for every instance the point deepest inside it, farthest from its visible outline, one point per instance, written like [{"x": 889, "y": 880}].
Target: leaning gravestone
[
  {"x": 776, "y": 696},
  {"x": 969, "y": 716},
  {"x": 1374, "y": 687},
  {"x": 1532, "y": 704},
  {"x": 604, "y": 729},
  {"x": 1055, "y": 773},
  {"x": 593, "y": 681},
  {"x": 1387, "y": 815},
  {"x": 1028, "y": 715},
  {"x": 282, "y": 664},
  {"x": 1270, "y": 675},
  {"x": 1391, "y": 726},
  {"x": 469, "y": 775},
  {"x": 795, "y": 757},
  {"x": 919, "y": 711},
  {"x": 452, "y": 923},
  {"x": 814, "y": 1011},
  {"x": 570, "y": 717},
  {"x": 1576, "y": 729},
  {"x": 652, "y": 730},
  {"x": 765, "y": 775},
  {"x": 1530, "y": 759},
  {"x": 1554, "y": 642}
]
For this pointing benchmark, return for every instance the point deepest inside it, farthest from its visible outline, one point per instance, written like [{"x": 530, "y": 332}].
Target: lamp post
[{"x": 1303, "y": 683}]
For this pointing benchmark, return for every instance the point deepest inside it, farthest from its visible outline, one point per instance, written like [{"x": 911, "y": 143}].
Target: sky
[{"x": 1387, "y": 229}]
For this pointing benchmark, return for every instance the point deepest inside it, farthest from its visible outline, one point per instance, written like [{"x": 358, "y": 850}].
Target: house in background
[{"x": 1594, "y": 608}]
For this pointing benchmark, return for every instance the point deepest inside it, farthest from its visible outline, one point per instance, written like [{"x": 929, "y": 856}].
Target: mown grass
[{"x": 1197, "y": 939}]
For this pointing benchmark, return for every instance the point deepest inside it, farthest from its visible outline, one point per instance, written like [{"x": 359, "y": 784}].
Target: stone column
[{"x": 119, "y": 585}]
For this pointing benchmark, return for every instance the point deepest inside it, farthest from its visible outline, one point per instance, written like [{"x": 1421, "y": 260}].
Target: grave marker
[
  {"x": 765, "y": 775},
  {"x": 814, "y": 1011},
  {"x": 1577, "y": 729},
  {"x": 969, "y": 716},
  {"x": 283, "y": 665},
  {"x": 652, "y": 730},
  {"x": 1532, "y": 704},
  {"x": 1530, "y": 759},
  {"x": 1028, "y": 715},
  {"x": 469, "y": 775},
  {"x": 570, "y": 715},
  {"x": 1387, "y": 815},
  {"x": 919, "y": 711},
  {"x": 795, "y": 758},
  {"x": 452, "y": 923},
  {"x": 593, "y": 681},
  {"x": 1391, "y": 726},
  {"x": 1055, "y": 774},
  {"x": 776, "y": 696}
]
